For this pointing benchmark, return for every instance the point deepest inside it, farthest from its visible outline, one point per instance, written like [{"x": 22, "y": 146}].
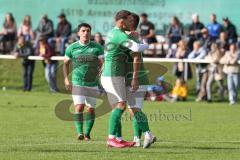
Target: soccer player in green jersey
[
  {"x": 113, "y": 75},
  {"x": 86, "y": 58},
  {"x": 135, "y": 99}
]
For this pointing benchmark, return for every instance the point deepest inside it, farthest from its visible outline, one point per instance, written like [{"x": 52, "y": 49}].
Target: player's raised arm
[{"x": 134, "y": 46}]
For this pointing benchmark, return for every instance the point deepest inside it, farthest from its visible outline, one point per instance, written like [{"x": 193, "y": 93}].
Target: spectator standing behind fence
[
  {"x": 215, "y": 72},
  {"x": 24, "y": 49},
  {"x": 231, "y": 68},
  {"x": 45, "y": 50},
  {"x": 147, "y": 29},
  {"x": 181, "y": 53},
  {"x": 25, "y": 29},
  {"x": 206, "y": 40},
  {"x": 99, "y": 39},
  {"x": 222, "y": 42},
  {"x": 64, "y": 30},
  {"x": 214, "y": 28},
  {"x": 201, "y": 69},
  {"x": 230, "y": 30},
  {"x": 195, "y": 30},
  {"x": 175, "y": 31},
  {"x": 45, "y": 28},
  {"x": 8, "y": 33}
]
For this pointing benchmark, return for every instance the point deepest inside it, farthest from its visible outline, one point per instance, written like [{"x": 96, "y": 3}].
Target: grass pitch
[{"x": 29, "y": 130}]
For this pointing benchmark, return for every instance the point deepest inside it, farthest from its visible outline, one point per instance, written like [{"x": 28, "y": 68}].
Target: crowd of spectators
[
  {"x": 44, "y": 41},
  {"x": 58, "y": 38},
  {"x": 216, "y": 42}
]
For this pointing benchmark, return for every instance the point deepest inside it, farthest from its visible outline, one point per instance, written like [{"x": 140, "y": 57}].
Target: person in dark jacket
[
  {"x": 147, "y": 30},
  {"x": 195, "y": 30},
  {"x": 64, "y": 30},
  {"x": 45, "y": 28},
  {"x": 24, "y": 49},
  {"x": 230, "y": 30},
  {"x": 46, "y": 51}
]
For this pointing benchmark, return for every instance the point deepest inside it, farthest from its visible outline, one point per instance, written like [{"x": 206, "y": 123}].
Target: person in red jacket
[{"x": 45, "y": 50}]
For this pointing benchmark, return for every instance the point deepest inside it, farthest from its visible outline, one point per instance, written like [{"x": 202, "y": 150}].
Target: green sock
[
  {"x": 78, "y": 121},
  {"x": 136, "y": 128},
  {"x": 142, "y": 121},
  {"x": 140, "y": 133},
  {"x": 119, "y": 130},
  {"x": 114, "y": 119},
  {"x": 90, "y": 117}
]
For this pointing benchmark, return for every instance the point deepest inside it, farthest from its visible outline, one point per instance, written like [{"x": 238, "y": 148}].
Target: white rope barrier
[
  {"x": 170, "y": 60},
  {"x": 161, "y": 60},
  {"x": 56, "y": 58},
  {"x": 156, "y": 60},
  {"x": 7, "y": 57}
]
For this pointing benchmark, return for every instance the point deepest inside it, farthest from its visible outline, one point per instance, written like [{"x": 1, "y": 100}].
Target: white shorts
[
  {"x": 135, "y": 99},
  {"x": 115, "y": 88},
  {"x": 81, "y": 98}
]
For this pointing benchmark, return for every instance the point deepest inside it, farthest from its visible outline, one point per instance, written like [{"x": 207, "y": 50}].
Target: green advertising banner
[{"x": 100, "y": 13}]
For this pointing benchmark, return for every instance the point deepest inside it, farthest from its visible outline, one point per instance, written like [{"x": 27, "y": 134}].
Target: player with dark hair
[
  {"x": 86, "y": 58},
  {"x": 114, "y": 70},
  {"x": 135, "y": 99}
]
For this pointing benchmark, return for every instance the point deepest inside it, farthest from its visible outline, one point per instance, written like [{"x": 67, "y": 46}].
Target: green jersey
[
  {"x": 115, "y": 60},
  {"x": 142, "y": 73},
  {"x": 85, "y": 64}
]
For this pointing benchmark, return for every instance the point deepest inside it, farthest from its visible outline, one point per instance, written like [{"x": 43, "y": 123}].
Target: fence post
[{"x": 185, "y": 71}]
